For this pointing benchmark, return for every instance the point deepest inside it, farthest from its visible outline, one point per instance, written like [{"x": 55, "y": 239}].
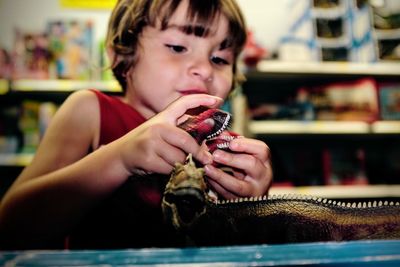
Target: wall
[{"x": 265, "y": 17}]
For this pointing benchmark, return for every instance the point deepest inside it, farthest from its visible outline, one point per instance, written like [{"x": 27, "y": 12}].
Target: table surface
[{"x": 354, "y": 253}]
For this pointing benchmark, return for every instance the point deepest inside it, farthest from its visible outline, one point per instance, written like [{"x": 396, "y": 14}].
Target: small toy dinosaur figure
[{"x": 263, "y": 220}]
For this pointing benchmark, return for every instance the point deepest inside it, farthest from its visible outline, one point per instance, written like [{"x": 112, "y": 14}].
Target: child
[{"x": 169, "y": 56}]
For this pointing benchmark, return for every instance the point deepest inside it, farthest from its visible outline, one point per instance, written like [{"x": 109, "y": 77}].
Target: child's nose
[{"x": 202, "y": 69}]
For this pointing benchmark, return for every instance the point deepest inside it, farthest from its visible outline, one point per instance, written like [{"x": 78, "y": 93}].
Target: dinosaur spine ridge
[{"x": 313, "y": 199}]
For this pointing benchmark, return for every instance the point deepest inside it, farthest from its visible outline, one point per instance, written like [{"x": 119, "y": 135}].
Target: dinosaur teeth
[
  {"x": 223, "y": 145},
  {"x": 225, "y": 125}
]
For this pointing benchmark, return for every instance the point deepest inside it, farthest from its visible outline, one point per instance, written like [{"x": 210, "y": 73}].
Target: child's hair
[{"x": 129, "y": 17}]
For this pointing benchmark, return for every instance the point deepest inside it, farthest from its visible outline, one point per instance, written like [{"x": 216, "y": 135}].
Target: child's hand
[
  {"x": 157, "y": 144},
  {"x": 252, "y": 175}
]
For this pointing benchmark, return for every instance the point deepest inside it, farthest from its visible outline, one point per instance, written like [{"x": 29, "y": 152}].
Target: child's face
[{"x": 172, "y": 63}]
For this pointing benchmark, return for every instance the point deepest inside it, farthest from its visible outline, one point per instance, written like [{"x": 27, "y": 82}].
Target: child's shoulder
[
  {"x": 82, "y": 103},
  {"x": 82, "y": 97}
]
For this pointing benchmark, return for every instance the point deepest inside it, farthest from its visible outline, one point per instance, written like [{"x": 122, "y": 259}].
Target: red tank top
[
  {"x": 116, "y": 118},
  {"x": 131, "y": 216}
]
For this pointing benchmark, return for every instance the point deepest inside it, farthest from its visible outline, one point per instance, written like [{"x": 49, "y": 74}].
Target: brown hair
[{"x": 129, "y": 17}]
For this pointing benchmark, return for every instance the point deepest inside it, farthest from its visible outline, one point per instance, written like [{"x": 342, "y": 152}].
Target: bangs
[{"x": 201, "y": 16}]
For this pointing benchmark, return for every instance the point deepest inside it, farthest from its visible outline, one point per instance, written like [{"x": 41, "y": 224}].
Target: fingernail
[
  {"x": 217, "y": 100},
  {"x": 207, "y": 159},
  {"x": 207, "y": 169},
  {"x": 233, "y": 145}
]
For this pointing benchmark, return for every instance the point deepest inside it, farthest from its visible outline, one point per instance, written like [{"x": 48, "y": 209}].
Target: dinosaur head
[
  {"x": 184, "y": 196},
  {"x": 207, "y": 125}
]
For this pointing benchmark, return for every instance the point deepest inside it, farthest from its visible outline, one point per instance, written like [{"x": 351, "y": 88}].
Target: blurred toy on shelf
[
  {"x": 64, "y": 50},
  {"x": 31, "y": 56},
  {"x": 324, "y": 30},
  {"x": 253, "y": 52},
  {"x": 386, "y": 14},
  {"x": 389, "y": 100},
  {"x": 350, "y": 101},
  {"x": 299, "y": 108},
  {"x": 355, "y": 100},
  {"x": 71, "y": 42},
  {"x": 386, "y": 22},
  {"x": 29, "y": 126}
]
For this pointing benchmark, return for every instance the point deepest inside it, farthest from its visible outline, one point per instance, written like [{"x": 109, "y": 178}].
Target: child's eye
[
  {"x": 176, "y": 48},
  {"x": 219, "y": 60}
]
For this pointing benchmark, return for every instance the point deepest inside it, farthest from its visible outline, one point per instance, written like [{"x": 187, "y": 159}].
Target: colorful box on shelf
[
  {"x": 298, "y": 44},
  {"x": 333, "y": 30},
  {"x": 389, "y": 98}
]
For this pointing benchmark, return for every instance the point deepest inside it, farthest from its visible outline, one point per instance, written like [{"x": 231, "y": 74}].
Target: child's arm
[
  {"x": 47, "y": 197},
  {"x": 63, "y": 182},
  {"x": 253, "y": 175}
]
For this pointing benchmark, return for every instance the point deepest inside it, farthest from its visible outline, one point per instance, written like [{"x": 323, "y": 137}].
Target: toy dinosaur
[{"x": 263, "y": 220}]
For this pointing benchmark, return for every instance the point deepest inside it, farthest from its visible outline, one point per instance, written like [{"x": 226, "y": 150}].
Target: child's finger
[
  {"x": 179, "y": 107},
  {"x": 251, "y": 146},
  {"x": 221, "y": 190},
  {"x": 184, "y": 141},
  {"x": 226, "y": 181}
]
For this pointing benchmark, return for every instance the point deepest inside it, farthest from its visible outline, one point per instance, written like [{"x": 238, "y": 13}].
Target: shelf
[
  {"x": 385, "y": 127},
  {"x": 324, "y": 127},
  {"x": 379, "y": 68},
  {"x": 390, "y": 34},
  {"x": 4, "y": 86},
  {"x": 17, "y": 160},
  {"x": 337, "y": 191},
  {"x": 328, "y": 13},
  {"x": 63, "y": 85}
]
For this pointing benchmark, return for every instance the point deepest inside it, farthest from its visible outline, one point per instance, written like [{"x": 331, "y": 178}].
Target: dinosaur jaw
[
  {"x": 221, "y": 141},
  {"x": 222, "y": 121},
  {"x": 185, "y": 205},
  {"x": 184, "y": 196},
  {"x": 207, "y": 125}
]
